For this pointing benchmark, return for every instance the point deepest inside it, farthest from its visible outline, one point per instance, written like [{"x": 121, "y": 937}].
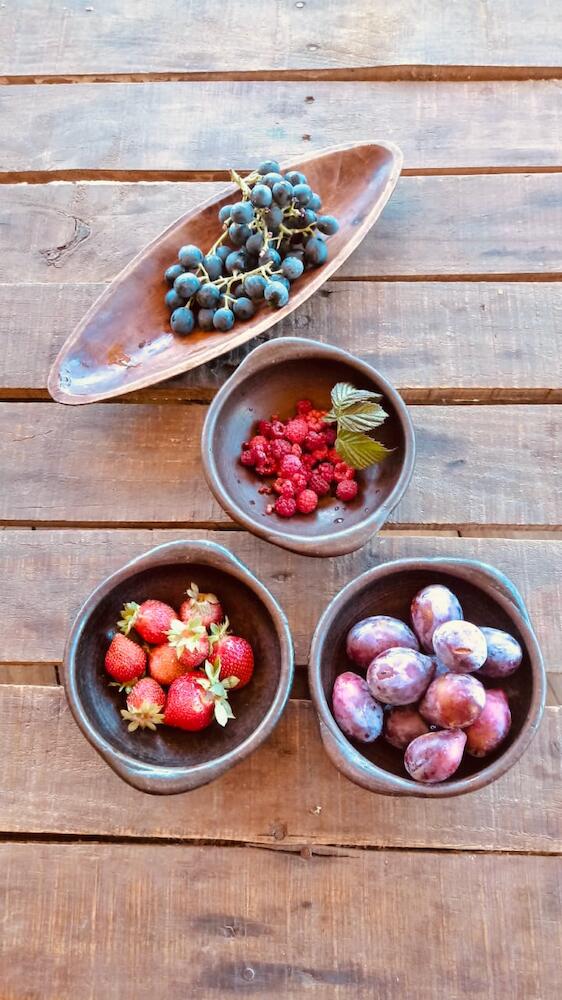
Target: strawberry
[
  {"x": 125, "y": 661},
  {"x": 144, "y": 705},
  {"x": 163, "y": 664},
  {"x": 204, "y": 606},
  {"x": 190, "y": 641},
  {"x": 234, "y": 654},
  {"x": 195, "y": 698},
  {"x": 151, "y": 619}
]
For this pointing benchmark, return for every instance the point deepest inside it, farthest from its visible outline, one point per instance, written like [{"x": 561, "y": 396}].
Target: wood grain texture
[
  {"x": 521, "y": 811},
  {"x": 182, "y": 921},
  {"x": 431, "y": 337},
  {"x": 319, "y": 36},
  {"x": 449, "y": 226},
  {"x": 461, "y": 125},
  {"x": 74, "y": 562},
  {"x": 111, "y": 462},
  {"x": 28, "y": 673}
]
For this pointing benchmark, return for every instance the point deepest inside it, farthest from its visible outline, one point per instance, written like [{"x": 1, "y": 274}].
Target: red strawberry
[
  {"x": 190, "y": 641},
  {"x": 144, "y": 705},
  {"x": 204, "y": 606},
  {"x": 235, "y": 655},
  {"x": 163, "y": 664},
  {"x": 151, "y": 620},
  {"x": 125, "y": 661},
  {"x": 195, "y": 698}
]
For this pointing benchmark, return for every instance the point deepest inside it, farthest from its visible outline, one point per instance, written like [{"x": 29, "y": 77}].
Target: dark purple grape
[
  {"x": 213, "y": 266},
  {"x": 315, "y": 251},
  {"x": 254, "y": 286},
  {"x": 280, "y": 277},
  {"x": 402, "y": 724},
  {"x": 276, "y": 294},
  {"x": 224, "y": 251},
  {"x": 504, "y": 653},
  {"x": 460, "y": 646},
  {"x": 242, "y": 212},
  {"x": 327, "y": 224},
  {"x": 182, "y": 321},
  {"x": 491, "y": 727},
  {"x": 307, "y": 218},
  {"x": 273, "y": 218},
  {"x": 190, "y": 256},
  {"x": 453, "y": 701},
  {"x": 372, "y": 636},
  {"x": 315, "y": 202},
  {"x": 432, "y": 606},
  {"x": 268, "y": 167},
  {"x": 271, "y": 257},
  {"x": 208, "y": 296},
  {"x": 243, "y": 308},
  {"x": 224, "y": 213},
  {"x": 238, "y": 234},
  {"x": 173, "y": 300},
  {"x": 399, "y": 676},
  {"x": 282, "y": 193},
  {"x": 356, "y": 712},
  {"x": 261, "y": 196},
  {"x": 187, "y": 285},
  {"x": 205, "y": 319},
  {"x": 173, "y": 272},
  {"x": 435, "y": 757},
  {"x": 302, "y": 194},
  {"x": 295, "y": 177},
  {"x": 223, "y": 319},
  {"x": 272, "y": 178},
  {"x": 236, "y": 261},
  {"x": 254, "y": 243},
  {"x": 292, "y": 268}
]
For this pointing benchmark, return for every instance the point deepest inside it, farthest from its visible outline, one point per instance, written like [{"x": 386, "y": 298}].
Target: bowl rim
[
  {"x": 168, "y": 778},
  {"x": 328, "y": 544},
  {"x": 350, "y": 760}
]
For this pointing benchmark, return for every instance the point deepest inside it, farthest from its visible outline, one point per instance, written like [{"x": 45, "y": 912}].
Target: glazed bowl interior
[
  {"x": 270, "y": 381},
  {"x": 169, "y": 747},
  {"x": 392, "y": 595}
]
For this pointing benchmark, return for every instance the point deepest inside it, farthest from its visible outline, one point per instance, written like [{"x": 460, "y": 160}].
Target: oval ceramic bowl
[
  {"x": 487, "y": 598},
  {"x": 170, "y": 760},
  {"x": 124, "y": 341},
  {"x": 271, "y": 380}
]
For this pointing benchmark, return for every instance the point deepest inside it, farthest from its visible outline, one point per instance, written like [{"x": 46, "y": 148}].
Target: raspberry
[
  {"x": 259, "y": 441},
  {"x": 319, "y": 454},
  {"x": 277, "y": 429},
  {"x": 343, "y": 471},
  {"x": 307, "y": 461},
  {"x": 285, "y": 506},
  {"x": 288, "y": 465},
  {"x": 304, "y": 406},
  {"x": 296, "y": 450},
  {"x": 247, "y": 457},
  {"x": 296, "y": 430},
  {"x": 319, "y": 484},
  {"x": 333, "y": 456},
  {"x": 330, "y": 435},
  {"x": 264, "y": 489},
  {"x": 258, "y": 455},
  {"x": 286, "y": 489},
  {"x": 299, "y": 481},
  {"x": 326, "y": 470},
  {"x": 264, "y": 428},
  {"x": 347, "y": 490},
  {"x": 307, "y": 501},
  {"x": 313, "y": 440},
  {"x": 266, "y": 467},
  {"x": 279, "y": 447}
]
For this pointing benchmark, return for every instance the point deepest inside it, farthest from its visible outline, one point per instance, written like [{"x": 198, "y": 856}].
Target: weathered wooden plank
[
  {"x": 433, "y": 226},
  {"x": 431, "y": 337},
  {"x": 206, "y": 924},
  {"x": 107, "y": 39},
  {"x": 522, "y": 811},
  {"x": 196, "y": 126},
  {"x": 475, "y": 465},
  {"x": 74, "y": 562},
  {"x": 28, "y": 673}
]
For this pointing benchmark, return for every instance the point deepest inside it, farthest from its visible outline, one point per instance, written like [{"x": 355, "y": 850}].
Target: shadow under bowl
[
  {"x": 487, "y": 597},
  {"x": 271, "y": 380},
  {"x": 171, "y": 760}
]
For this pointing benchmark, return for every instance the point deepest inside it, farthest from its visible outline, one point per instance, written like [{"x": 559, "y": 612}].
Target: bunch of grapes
[{"x": 269, "y": 237}]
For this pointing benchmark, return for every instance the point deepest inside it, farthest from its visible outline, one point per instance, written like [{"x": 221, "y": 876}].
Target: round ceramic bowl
[
  {"x": 271, "y": 380},
  {"x": 487, "y": 598},
  {"x": 171, "y": 760}
]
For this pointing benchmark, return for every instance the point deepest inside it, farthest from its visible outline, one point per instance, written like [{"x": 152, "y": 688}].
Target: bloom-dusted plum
[
  {"x": 372, "y": 636},
  {"x": 491, "y": 727},
  {"x": 435, "y": 757},
  {"x": 461, "y": 646},
  {"x": 453, "y": 701},
  {"x": 402, "y": 724},
  {"x": 440, "y": 668},
  {"x": 357, "y": 713},
  {"x": 432, "y": 606},
  {"x": 504, "y": 653},
  {"x": 399, "y": 676}
]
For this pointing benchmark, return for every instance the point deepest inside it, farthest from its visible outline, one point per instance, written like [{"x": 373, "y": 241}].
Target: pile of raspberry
[{"x": 300, "y": 453}]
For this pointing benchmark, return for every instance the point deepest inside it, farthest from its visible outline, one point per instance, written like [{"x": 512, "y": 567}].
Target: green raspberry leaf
[
  {"x": 358, "y": 450},
  {"x": 362, "y": 417},
  {"x": 345, "y": 395}
]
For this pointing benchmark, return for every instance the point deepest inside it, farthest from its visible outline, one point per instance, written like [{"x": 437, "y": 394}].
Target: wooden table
[{"x": 283, "y": 879}]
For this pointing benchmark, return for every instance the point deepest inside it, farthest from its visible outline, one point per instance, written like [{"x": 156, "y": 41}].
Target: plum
[
  {"x": 435, "y": 757},
  {"x": 461, "y": 646},
  {"x": 504, "y": 653},
  {"x": 402, "y": 724},
  {"x": 372, "y": 636},
  {"x": 432, "y": 606},
  {"x": 399, "y": 676},
  {"x": 439, "y": 668},
  {"x": 453, "y": 701},
  {"x": 492, "y": 725},
  {"x": 357, "y": 713}
]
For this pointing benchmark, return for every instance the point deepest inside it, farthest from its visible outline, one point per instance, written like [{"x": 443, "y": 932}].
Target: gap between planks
[{"x": 435, "y": 396}]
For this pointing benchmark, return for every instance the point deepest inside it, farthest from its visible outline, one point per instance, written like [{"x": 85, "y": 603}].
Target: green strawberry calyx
[
  {"x": 129, "y": 615},
  {"x": 198, "y": 598},
  {"x": 126, "y": 686},
  {"x": 217, "y": 690},
  {"x": 186, "y": 635},
  {"x": 218, "y": 632},
  {"x": 146, "y": 716}
]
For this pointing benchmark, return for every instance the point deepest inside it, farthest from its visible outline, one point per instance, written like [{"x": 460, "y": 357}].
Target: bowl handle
[
  {"x": 161, "y": 780},
  {"x": 500, "y": 582}
]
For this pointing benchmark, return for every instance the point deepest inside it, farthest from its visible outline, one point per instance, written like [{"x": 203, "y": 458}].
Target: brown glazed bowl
[
  {"x": 271, "y": 380},
  {"x": 170, "y": 760},
  {"x": 487, "y": 598}
]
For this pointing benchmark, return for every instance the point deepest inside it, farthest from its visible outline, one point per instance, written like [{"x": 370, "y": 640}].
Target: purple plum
[
  {"x": 460, "y": 646},
  {"x": 492, "y": 725},
  {"x": 504, "y": 653},
  {"x": 435, "y": 757},
  {"x": 399, "y": 676},
  {"x": 372, "y": 636},
  {"x": 453, "y": 701},
  {"x": 402, "y": 724},
  {"x": 357, "y": 713},
  {"x": 432, "y": 606}
]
